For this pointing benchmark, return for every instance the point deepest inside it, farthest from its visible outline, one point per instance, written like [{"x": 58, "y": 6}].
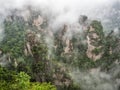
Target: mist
[
  {"x": 95, "y": 79},
  {"x": 62, "y": 12}
]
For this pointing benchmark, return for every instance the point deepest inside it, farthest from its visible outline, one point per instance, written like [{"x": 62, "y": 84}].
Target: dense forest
[{"x": 33, "y": 56}]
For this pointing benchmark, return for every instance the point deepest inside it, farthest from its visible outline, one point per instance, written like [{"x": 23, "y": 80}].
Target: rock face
[
  {"x": 93, "y": 33},
  {"x": 84, "y": 31},
  {"x": 94, "y": 41},
  {"x": 38, "y": 21},
  {"x": 77, "y": 45},
  {"x": 94, "y": 38},
  {"x": 66, "y": 40}
]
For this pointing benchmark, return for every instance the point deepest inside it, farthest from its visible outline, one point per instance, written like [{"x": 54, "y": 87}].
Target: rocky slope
[{"x": 31, "y": 45}]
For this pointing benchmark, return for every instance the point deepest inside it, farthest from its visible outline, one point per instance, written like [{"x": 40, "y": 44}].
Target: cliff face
[
  {"x": 85, "y": 31},
  {"x": 94, "y": 40},
  {"x": 30, "y": 44},
  {"x": 66, "y": 41}
]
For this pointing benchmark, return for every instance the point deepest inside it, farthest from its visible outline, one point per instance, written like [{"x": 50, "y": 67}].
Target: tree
[{"x": 10, "y": 80}]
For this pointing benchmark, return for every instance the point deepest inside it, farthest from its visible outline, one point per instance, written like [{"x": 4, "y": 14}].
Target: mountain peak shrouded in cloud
[
  {"x": 74, "y": 44},
  {"x": 63, "y": 10}
]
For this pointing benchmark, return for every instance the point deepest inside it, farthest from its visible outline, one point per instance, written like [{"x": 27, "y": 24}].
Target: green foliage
[
  {"x": 6, "y": 78},
  {"x": 98, "y": 28},
  {"x": 42, "y": 86},
  {"x": 40, "y": 52},
  {"x": 20, "y": 81},
  {"x": 97, "y": 51},
  {"x": 13, "y": 42},
  {"x": 38, "y": 65}
]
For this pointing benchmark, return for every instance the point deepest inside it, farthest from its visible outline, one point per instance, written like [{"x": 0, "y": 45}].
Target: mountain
[{"x": 32, "y": 46}]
